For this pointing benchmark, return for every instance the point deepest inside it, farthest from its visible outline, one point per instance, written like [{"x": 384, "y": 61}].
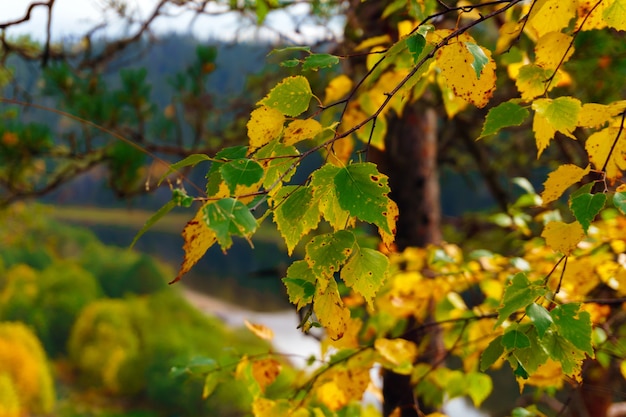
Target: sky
[{"x": 73, "y": 17}]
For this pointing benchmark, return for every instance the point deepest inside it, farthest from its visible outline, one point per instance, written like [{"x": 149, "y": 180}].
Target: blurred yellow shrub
[{"x": 24, "y": 372}]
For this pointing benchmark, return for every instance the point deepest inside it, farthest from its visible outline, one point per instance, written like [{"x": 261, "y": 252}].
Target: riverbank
[{"x": 288, "y": 339}]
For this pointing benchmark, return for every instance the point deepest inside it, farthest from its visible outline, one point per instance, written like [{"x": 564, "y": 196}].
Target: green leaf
[
  {"x": 514, "y": 339},
  {"x": 210, "y": 383},
  {"x": 296, "y": 213},
  {"x": 365, "y": 272},
  {"x": 316, "y": 61},
  {"x": 300, "y": 283},
  {"x": 619, "y": 199},
  {"x": 491, "y": 354},
  {"x": 228, "y": 217},
  {"x": 416, "y": 43},
  {"x": 478, "y": 386},
  {"x": 326, "y": 253},
  {"x": 169, "y": 206},
  {"x": 530, "y": 358},
  {"x": 277, "y": 159},
  {"x": 324, "y": 191},
  {"x": 540, "y": 317},
  {"x": 241, "y": 172},
  {"x": 291, "y": 96},
  {"x": 504, "y": 115},
  {"x": 574, "y": 325},
  {"x": 362, "y": 191},
  {"x": 290, "y": 63},
  {"x": 214, "y": 177},
  {"x": 290, "y": 49},
  {"x": 561, "y": 350},
  {"x": 586, "y": 207},
  {"x": 480, "y": 59},
  {"x": 191, "y": 160},
  {"x": 518, "y": 295}
]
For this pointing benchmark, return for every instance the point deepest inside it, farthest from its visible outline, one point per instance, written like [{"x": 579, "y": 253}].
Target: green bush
[
  {"x": 49, "y": 301},
  {"x": 121, "y": 272}
]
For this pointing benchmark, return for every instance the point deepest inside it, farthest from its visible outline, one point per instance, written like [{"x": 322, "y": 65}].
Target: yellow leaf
[
  {"x": 350, "y": 339},
  {"x": 560, "y": 114},
  {"x": 563, "y": 237},
  {"x": 260, "y": 330},
  {"x": 508, "y": 32},
  {"x": 198, "y": 239},
  {"x": 594, "y": 20},
  {"x": 330, "y": 311},
  {"x": 551, "y": 15},
  {"x": 337, "y": 88},
  {"x": 375, "y": 55},
  {"x": 331, "y": 395},
  {"x": 531, "y": 80},
  {"x": 455, "y": 62},
  {"x": 599, "y": 146},
  {"x": 549, "y": 374},
  {"x": 345, "y": 386},
  {"x": 265, "y": 371},
  {"x": 396, "y": 351},
  {"x": 615, "y": 14},
  {"x": 391, "y": 214},
  {"x": 265, "y": 124},
  {"x": 263, "y": 407},
  {"x": 560, "y": 180},
  {"x": 405, "y": 27},
  {"x": 375, "y": 41},
  {"x": 300, "y": 130},
  {"x": 594, "y": 115},
  {"x": 552, "y": 50},
  {"x": 452, "y": 103},
  {"x": 341, "y": 151}
]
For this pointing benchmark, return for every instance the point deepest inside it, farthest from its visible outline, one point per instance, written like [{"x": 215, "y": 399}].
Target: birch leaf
[
  {"x": 563, "y": 237},
  {"x": 560, "y": 180}
]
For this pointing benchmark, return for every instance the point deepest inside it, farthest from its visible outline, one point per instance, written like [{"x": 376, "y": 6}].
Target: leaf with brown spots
[
  {"x": 365, "y": 272},
  {"x": 459, "y": 69},
  {"x": 198, "y": 239},
  {"x": 330, "y": 311},
  {"x": 326, "y": 254}
]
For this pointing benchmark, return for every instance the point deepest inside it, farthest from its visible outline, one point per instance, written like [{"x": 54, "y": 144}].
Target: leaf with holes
[{"x": 362, "y": 191}]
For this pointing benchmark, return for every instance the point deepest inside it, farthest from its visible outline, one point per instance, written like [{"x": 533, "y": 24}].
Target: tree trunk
[{"x": 410, "y": 162}]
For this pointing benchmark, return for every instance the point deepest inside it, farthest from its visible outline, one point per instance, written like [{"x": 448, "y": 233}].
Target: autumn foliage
[{"x": 534, "y": 310}]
